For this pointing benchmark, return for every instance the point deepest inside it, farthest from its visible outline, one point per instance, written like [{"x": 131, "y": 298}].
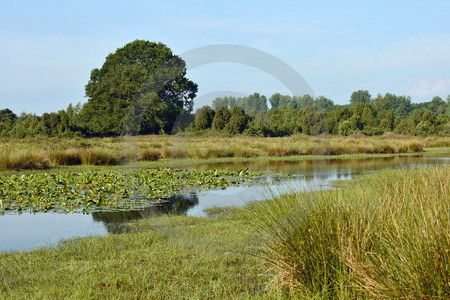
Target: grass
[
  {"x": 165, "y": 258},
  {"x": 385, "y": 235},
  {"x": 23, "y": 160},
  {"x": 51, "y": 152}
]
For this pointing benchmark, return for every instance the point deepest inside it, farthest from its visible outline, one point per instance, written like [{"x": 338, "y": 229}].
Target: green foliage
[
  {"x": 363, "y": 115},
  {"x": 437, "y": 106},
  {"x": 141, "y": 88},
  {"x": 254, "y": 104},
  {"x": 335, "y": 117},
  {"x": 277, "y": 122},
  {"x": 183, "y": 121},
  {"x": 313, "y": 122},
  {"x": 361, "y": 96},
  {"x": 203, "y": 118},
  {"x": 448, "y": 105},
  {"x": 238, "y": 121},
  {"x": 347, "y": 127},
  {"x": 7, "y": 119},
  {"x": 323, "y": 104},
  {"x": 302, "y": 102},
  {"x": 146, "y": 113},
  {"x": 221, "y": 118},
  {"x": 228, "y": 102}
]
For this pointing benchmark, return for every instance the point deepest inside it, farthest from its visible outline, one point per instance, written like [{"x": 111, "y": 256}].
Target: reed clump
[
  {"x": 23, "y": 160},
  {"x": 100, "y": 157},
  {"x": 68, "y": 157},
  {"x": 385, "y": 236},
  {"x": 150, "y": 155}
]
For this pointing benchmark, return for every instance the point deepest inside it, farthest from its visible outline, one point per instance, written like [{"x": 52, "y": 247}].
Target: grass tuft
[
  {"x": 69, "y": 157},
  {"x": 23, "y": 160},
  {"x": 150, "y": 155},
  {"x": 99, "y": 157},
  {"x": 386, "y": 236}
]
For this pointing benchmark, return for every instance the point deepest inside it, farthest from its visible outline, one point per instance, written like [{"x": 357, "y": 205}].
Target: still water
[{"x": 31, "y": 231}]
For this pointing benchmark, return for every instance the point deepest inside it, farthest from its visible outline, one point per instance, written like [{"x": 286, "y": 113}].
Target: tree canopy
[
  {"x": 140, "y": 88},
  {"x": 361, "y": 96}
]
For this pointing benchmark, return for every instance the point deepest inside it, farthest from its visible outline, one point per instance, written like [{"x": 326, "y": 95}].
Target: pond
[{"x": 30, "y": 231}]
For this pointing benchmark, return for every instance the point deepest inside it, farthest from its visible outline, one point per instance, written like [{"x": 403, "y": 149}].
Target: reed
[
  {"x": 100, "y": 157},
  {"x": 23, "y": 160},
  {"x": 110, "y": 151},
  {"x": 385, "y": 236}
]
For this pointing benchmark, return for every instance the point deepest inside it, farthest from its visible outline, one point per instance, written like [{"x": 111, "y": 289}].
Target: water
[{"x": 31, "y": 231}]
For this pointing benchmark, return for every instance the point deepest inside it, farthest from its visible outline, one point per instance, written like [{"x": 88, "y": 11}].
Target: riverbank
[
  {"x": 170, "y": 150},
  {"x": 363, "y": 241}
]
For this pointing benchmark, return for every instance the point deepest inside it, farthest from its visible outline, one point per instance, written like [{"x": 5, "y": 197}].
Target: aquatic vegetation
[{"x": 107, "y": 190}]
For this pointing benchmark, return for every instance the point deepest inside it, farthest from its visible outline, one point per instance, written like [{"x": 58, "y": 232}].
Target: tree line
[
  {"x": 142, "y": 88},
  {"x": 251, "y": 115},
  {"x": 310, "y": 115}
]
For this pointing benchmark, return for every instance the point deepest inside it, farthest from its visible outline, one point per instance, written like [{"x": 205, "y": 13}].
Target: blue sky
[{"x": 48, "y": 48}]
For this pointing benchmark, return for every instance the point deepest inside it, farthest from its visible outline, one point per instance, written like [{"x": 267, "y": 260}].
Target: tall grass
[
  {"x": 111, "y": 151},
  {"x": 386, "y": 236},
  {"x": 23, "y": 160}
]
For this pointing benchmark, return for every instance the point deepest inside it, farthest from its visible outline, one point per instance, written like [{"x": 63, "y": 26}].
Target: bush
[
  {"x": 238, "y": 121},
  {"x": 203, "y": 118},
  {"x": 221, "y": 118}
]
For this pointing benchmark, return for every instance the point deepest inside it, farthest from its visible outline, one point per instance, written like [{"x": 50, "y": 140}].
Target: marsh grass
[
  {"x": 23, "y": 160},
  {"x": 100, "y": 157},
  {"x": 150, "y": 155},
  {"x": 172, "y": 257},
  {"x": 384, "y": 236},
  {"x": 68, "y": 157},
  {"x": 112, "y": 151}
]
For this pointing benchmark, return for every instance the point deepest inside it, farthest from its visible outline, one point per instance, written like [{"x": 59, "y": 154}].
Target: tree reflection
[{"x": 115, "y": 221}]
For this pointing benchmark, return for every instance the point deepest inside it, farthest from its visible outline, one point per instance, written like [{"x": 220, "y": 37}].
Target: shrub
[
  {"x": 203, "y": 118},
  {"x": 221, "y": 118},
  {"x": 238, "y": 121}
]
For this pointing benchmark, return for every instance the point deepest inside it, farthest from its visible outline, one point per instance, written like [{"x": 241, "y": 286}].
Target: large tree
[{"x": 141, "y": 88}]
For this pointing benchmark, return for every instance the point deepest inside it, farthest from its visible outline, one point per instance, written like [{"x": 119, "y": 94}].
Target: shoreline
[{"x": 185, "y": 162}]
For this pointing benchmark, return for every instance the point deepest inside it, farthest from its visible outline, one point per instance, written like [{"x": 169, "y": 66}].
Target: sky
[{"x": 48, "y": 48}]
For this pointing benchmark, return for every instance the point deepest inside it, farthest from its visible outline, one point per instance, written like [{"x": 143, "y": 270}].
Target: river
[{"x": 31, "y": 231}]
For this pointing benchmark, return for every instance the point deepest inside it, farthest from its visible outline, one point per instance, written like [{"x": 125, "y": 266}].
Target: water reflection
[
  {"x": 287, "y": 166},
  {"x": 115, "y": 221}
]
